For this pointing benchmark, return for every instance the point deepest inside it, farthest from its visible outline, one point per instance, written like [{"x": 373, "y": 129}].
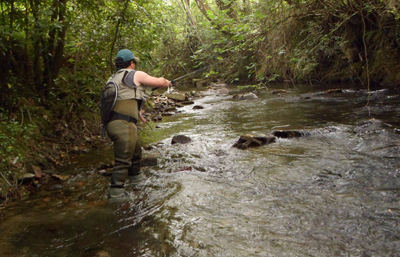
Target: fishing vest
[
  {"x": 120, "y": 98},
  {"x": 127, "y": 89}
]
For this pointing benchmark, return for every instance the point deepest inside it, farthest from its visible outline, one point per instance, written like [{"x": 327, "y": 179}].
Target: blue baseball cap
[{"x": 125, "y": 55}]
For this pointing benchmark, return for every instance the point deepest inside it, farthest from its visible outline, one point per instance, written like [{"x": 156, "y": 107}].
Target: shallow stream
[{"x": 332, "y": 193}]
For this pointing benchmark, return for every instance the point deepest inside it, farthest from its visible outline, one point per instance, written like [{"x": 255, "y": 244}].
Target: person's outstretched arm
[{"x": 142, "y": 78}]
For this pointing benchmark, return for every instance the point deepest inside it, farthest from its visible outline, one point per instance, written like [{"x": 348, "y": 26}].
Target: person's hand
[
  {"x": 167, "y": 83},
  {"x": 142, "y": 118}
]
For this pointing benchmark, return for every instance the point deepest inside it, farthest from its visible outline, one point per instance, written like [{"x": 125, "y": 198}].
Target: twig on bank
[
  {"x": 3, "y": 205},
  {"x": 8, "y": 182},
  {"x": 367, "y": 62}
]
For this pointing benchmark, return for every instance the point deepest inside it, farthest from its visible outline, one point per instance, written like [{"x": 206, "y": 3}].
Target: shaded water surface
[{"x": 332, "y": 193}]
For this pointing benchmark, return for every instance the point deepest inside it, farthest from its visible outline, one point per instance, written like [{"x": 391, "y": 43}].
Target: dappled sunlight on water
[{"x": 332, "y": 193}]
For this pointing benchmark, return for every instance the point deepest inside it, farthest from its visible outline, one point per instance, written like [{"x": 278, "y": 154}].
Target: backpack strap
[
  {"x": 128, "y": 79},
  {"x": 109, "y": 108}
]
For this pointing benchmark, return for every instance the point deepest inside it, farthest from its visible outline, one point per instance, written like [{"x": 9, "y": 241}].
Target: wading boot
[
  {"x": 136, "y": 179},
  {"x": 135, "y": 176},
  {"x": 118, "y": 179},
  {"x": 117, "y": 192}
]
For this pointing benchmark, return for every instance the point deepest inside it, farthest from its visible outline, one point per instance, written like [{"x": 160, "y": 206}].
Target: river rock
[
  {"x": 187, "y": 102},
  {"x": 247, "y": 141},
  {"x": 198, "y": 107},
  {"x": 176, "y": 96},
  {"x": 104, "y": 166},
  {"x": 331, "y": 91},
  {"x": 223, "y": 91},
  {"x": 171, "y": 102},
  {"x": 103, "y": 254},
  {"x": 148, "y": 147},
  {"x": 278, "y": 91},
  {"x": 303, "y": 133},
  {"x": 156, "y": 118},
  {"x": 181, "y": 139},
  {"x": 246, "y": 96},
  {"x": 25, "y": 178},
  {"x": 218, "y": 84},
  {"x": 170, "y": 109},
  {"x": 105, "y": 172},
  {"x": 194, "y": 94},
  {"x": 57, "y": 187},
  {"x": 148, "y": 161},
  {"x": 289, "y": 133}
]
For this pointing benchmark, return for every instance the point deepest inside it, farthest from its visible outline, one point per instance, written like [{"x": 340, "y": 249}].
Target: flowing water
[{"x": 332, "y": 193}]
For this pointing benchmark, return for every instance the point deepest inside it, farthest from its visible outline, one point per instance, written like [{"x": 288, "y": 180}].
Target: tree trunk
[
  {"x": 59, "y": 50},
  {"x": 48, "y": 54},
  {"x": 53, "y": 55},
  {"x": 204, "y": 7},
  {"x": 122, "y": 16},
  {"x": 37, "y": 71},
  {"x": 186, "y": 7},
  {"x": 231, "y": 12}
]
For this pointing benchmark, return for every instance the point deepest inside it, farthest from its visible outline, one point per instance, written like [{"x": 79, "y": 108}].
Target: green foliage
[
  {"x": 266, "y": 41},
  {"x": 15, "y": 140},
  {"x": 256, "y": 87},
  {"x": 37, "y": 64}
]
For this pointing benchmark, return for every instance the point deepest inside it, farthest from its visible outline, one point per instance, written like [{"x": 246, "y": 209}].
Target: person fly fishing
[{"x": 124, "y": 101}]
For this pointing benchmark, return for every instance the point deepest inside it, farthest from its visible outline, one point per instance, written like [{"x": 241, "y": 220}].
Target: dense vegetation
[{"x": 56, "y": 54}]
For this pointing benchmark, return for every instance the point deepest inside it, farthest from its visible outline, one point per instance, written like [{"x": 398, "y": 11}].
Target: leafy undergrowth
[{"x": 29, "y": 149}]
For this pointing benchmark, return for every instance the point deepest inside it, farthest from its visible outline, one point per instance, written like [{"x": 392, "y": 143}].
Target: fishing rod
[{"x": 184, "y": 76}]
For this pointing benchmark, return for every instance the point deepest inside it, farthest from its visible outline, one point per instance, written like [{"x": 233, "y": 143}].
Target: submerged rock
[
  {"x": 247, "y": 141},
  {"x": 103, "y": 254},
  {"x": 167, "y": 114},
  {"x": 170, "y": 109},
  {"x": 198, "y": 107},
  {"x": 302, "y": 133},
  {"x": 148, "y": 161},
  {"x": 246, "y": 96},
  {"x": 331, "y": 91},
  {"x": 218, "y": 84},
  {"x": 371, "y": 126},
  {"x": 156, "y": 118},
  {"x": 187, "y": 102},
  {"x": 278, "y": 91},
  {"x": 181, "y": 139},
  {"x": 223, "y": 91},
  {"x": 290, "y": 133}
]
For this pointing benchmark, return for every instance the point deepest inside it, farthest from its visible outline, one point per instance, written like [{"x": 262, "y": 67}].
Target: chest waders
[{"x": 122, "y": 130}]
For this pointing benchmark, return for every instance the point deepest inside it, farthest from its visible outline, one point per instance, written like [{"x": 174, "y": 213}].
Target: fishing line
[{"x": 184, "y": 76}]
